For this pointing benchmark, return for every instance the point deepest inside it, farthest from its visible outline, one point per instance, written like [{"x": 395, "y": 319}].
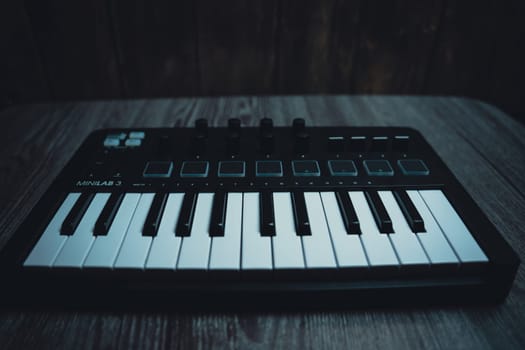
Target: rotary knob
[
  {"x": 267, "y": 140},
  {"x": 233, "y": 137},
  {"x": 301, "y": 136},
  {"x": 201, "y": 133},
  {"x": 201, "y": 128}
]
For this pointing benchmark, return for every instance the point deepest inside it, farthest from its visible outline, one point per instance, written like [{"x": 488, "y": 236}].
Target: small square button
[
  {"x": 305, "y": 168},
  {"x": 120, "y": 136},
  {"x": 342, "y": 168},
  {"x": 269, "y": 168},
  {"x": 137, "y": 135},
  {"x": 413, "y": 167},
  {"x": 133, "y": 142},
  {"x": 194, "y": 169},
  {"x": 111, "y": 142},
  {"x": 378, "y": 167},
  {"x": 158, "y": 169},
  {"x": 232, "y": 168}
]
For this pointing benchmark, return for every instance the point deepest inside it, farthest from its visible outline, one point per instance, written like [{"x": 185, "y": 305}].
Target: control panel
[{"x": 240, "y": 157}]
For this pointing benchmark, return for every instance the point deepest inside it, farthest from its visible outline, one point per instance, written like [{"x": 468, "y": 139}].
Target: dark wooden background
[{"x": 61, "y": 50}]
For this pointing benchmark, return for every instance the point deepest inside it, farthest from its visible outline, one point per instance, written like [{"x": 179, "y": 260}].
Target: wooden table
[{"x": 482, "y": 146}]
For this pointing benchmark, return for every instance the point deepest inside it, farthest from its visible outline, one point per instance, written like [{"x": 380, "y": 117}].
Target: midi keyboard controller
[{"x": 257, "y": 216}]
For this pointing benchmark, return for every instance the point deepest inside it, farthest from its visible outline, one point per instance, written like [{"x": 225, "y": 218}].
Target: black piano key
[
  {"x": 383, "y": 221},
  {"x": 75, "y": 215},
  {"x": 267, "y": 214},
  {"x": 218, "y": 214},
  {"x": 152, "y": 223},
  {"x": 107, "y": 215},
  {"x": 348, "y": 213},
  {"x": 186, "y": 214},
  {"x": 415, "y": 221},
  {"x": 302, "y": 224}
]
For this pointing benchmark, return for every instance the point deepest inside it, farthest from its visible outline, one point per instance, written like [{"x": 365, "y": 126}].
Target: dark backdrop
[{"x": 62, "y": 50}]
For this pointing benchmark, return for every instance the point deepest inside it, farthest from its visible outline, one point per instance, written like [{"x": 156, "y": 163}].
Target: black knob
[
  {"x": 164, "y": 145},
  {"x": 266, "y": 125},
  {"x": 266, "y": 135},
  {"x": 201, "y": 125},
  {"x": 298, "y": 124},
  {"x": 233, "y": 138},
  {"x": 201, "y": 133},
  {"x": 234, "y": 124},
  {"x": 301, "y": 136}
]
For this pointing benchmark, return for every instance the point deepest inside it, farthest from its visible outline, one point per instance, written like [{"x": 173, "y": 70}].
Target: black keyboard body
[{"x": 103, "y": 164}]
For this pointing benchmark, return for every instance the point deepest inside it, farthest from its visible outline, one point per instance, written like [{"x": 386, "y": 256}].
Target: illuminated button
[
  {"x": 305, "y": 168},
  {"x": 136, "y": 135},
  {"x": 378, "y": 167},
  {"x": 400, "y": 143},
  {"x": 379, "y": 143},
  {"x": 342, "y": 168},
  {"x": 120, "y": 136},
  {"x": 133, "y": 142},
  {"x": 111, "y": 142},
  {"x": 268, "y": 168},
  {"x": 233, "y": 168},
  {"x": 158, "y": 169},
  {"x": 413, "y": 167},
  {"x": 336, "y": 144},
  {"x": 194, "y": 169},
  {"x": 357, "y": 143}
]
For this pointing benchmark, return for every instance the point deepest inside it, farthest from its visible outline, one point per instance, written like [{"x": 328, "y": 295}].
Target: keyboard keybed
[{"x": 131, "y": 244}]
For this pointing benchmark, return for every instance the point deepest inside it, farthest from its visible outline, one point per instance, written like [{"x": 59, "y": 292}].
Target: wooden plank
[
  {"x": 76, "y": 45},
  {"x": 499, "y": 140},
  {"x": 395, "y": 45},
  {"x": 345, "y": 35},
  {"x": 23, "y": 76},
  {"x": 309, "y": 38},
  {"x": 237, "y": 46},
  {"x": 157, "y": 46}
]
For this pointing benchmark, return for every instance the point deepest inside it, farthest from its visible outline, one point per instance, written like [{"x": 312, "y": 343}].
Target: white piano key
[
  {"x": 287, "y": 245},
  {"x": 105, "y": 248},
  {"x": 377, "y": 245},
  {"x": 78, "y": 245},
  {"x": 225, "y": 251},
  {"x": 405, "y": 242},
  {"x": 48, "y": 246},
  {"x": 256, "y": 249},
  {"x": 318, "y": 251},
  {"x": 135, "y": 247},
  {"x": 195, "y": 249},
  {"x": 166, "y": 245},
  {"x": 433, "y": 240},
  {"x": 348, "y": 247},
  {"x": 453, "y": 227}
]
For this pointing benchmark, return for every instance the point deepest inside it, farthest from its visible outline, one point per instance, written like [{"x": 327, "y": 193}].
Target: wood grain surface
[
  {"x": 482, "y": 146},
  {"x": 61, "y": 50},
  {"x": 76, "y": 48}
]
